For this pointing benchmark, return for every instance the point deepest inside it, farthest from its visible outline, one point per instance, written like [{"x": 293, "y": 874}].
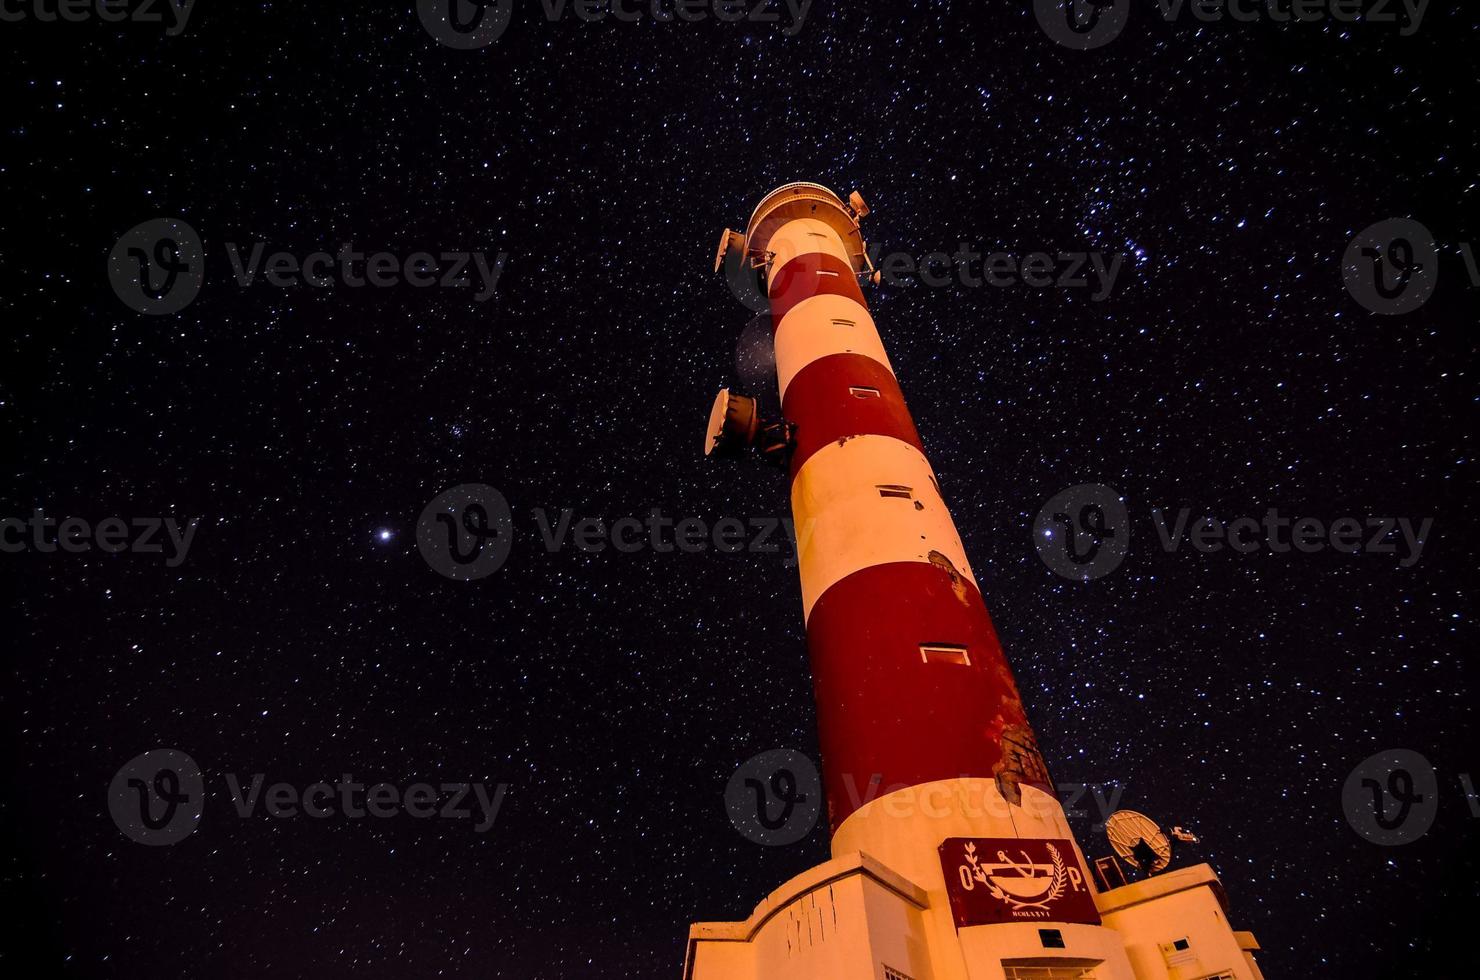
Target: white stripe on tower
[
  {"x": 871, "y": 500},
  {"x": 824, "y": 325}
]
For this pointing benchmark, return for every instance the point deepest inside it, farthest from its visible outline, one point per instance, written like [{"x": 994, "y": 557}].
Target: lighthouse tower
[{"x": 952, "y": 857}]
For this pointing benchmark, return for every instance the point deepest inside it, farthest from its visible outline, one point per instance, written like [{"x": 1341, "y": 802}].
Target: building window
[
  {"x": 892, "y": 974},
  {"x": 1014, "y": 972},
  {"x": 895, "y": 490},
  {"x": 1051, "y": 938},
  {"x": 864, "y": 392},
  {"x": 844, "y": 323},
  {"x": 945, "y": 653},
  {"x": 1178, "y": 952}
]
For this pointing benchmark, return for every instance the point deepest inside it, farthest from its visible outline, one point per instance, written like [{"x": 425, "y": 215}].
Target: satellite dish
[
  {"x": 735, "y": 425},
  {"x": 1138, "y": 841},
  {"x": 732, "y": 424},
  {"x": 729, "y": 241}
]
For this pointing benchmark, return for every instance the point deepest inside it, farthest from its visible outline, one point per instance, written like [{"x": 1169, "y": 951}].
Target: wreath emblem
[{"x": 1018, "y": 885}]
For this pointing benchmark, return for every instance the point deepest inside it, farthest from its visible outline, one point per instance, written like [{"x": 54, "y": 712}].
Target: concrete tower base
[
  {"x": 853, "y": 918},
  {"x": 881, "y": 909}
]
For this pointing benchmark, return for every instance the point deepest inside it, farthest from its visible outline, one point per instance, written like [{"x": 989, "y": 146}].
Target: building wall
[
  {"x": 1153, "y": 914},
  {"x": 853, "y": 917},
  {"x": 847, "y": 918}
]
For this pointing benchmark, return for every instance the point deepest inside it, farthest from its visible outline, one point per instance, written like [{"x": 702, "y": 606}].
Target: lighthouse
[{"x": 952, "y": 858}]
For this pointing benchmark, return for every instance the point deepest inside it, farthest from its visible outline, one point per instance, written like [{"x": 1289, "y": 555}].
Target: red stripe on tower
[
  {"x": 808, "y": 275},
  {"x": 841, "y": 396},
  {"x": 911, "y": 683}
]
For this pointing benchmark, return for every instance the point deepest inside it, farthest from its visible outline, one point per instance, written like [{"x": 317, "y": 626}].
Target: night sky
[{"x": 305, "y": 637}]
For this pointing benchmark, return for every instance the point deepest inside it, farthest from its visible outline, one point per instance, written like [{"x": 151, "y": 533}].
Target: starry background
[{"x": 615, "y": 693}]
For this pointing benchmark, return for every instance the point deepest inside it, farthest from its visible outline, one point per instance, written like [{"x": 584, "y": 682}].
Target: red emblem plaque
[{"x": 1013, "y": 879}]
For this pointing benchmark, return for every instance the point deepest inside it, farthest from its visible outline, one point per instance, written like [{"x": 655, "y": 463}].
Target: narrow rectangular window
[
  {"x": 827, "y": 272},
  {"x": 864, "y": 392},
  {"x": 844, "y": 323},
  {"x": 944, "y": 653},
  {"x": 894, "y": 490}
]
